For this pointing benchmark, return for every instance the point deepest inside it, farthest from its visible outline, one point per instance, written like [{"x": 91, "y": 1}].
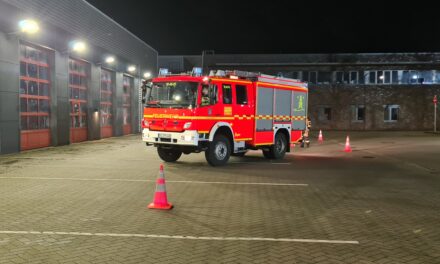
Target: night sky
[{"x": 187, "y": 27}]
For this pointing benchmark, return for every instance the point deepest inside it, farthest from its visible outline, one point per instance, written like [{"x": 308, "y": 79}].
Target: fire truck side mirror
[
  {"x": 146, "y": 87},
  {"x": 144, "y": 91}
]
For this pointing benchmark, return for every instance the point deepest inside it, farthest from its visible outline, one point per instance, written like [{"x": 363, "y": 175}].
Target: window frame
[
  {"x": 246, "y": 97},
  {"x": 231, "y": 93},
  {"x": 390, "y": 113},
  {"x": 355, "y": 113},
  {"x": 37, "y": 118}
]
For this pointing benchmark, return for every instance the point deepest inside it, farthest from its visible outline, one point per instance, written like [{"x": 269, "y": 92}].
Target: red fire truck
[{"x": 225, "y": 113}]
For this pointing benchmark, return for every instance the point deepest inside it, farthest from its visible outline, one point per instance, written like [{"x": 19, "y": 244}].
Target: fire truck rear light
[
  {"x": 187, "y": 125},
  {"x": 145, "y": 124}
]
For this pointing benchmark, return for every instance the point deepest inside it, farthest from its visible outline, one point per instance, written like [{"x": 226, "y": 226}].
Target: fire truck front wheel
[
  {"x": 169, "y": 154},
  {"x": 219, "y": 151}
]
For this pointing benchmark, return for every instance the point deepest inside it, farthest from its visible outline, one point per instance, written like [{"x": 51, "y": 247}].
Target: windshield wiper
[{"x": 155, "y": 104}]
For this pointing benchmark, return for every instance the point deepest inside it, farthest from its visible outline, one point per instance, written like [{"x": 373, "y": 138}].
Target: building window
[
  {"x": 241, "y": 94},
  {"x": 387, "y": 77},
  {"x": 127, "y": 87},
  {"x": 372, "y": 77},
  {"x": 313, "y": 77},
  {"x": 78, "y": 93},
  {"x": 305, "y": 76},
  {"x": 395, "y": 77},
  {"x": 325, "y": 113},
  {"x": 354, "y": 79},
  {"x": 339, "y": 77},
  {"x": 358, "y": 113},
  {"x": 34, "y": 88},
  {"x": 391, "y": 113},
  {"x": 296, "y": 75},
  {"x": 324, "y": 77},
  {"x": 106, "y": 98}
]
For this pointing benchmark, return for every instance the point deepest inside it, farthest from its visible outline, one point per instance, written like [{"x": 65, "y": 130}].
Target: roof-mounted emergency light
[
  {"x": 196, "y": 71},
  {"x": 220, "y": 73},
  {"x": 163, "y": 72}
]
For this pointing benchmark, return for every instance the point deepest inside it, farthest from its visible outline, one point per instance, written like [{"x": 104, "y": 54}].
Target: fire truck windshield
[{"x": 173, "y": 95}]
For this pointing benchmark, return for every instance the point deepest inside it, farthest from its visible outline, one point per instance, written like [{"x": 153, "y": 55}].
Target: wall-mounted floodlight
[
  {"x": 78, "y": 46},
  {"x": 414, "y": 76},
  {"x": 110, "y": 59},
  {"x": 381, "y": 77},
  {"x": 131, "y": 68},
  {"x": 147, "y": 75},
  {"x": 28, "y": 26}
]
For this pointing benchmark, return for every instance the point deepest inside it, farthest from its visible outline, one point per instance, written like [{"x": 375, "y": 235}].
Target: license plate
[{"x": 162, "y": 135}]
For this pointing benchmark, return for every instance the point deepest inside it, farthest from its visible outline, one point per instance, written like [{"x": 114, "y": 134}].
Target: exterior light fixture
[
  {"x": 381, "y": 77},
  {"x": 28, "y": 26},
  {"x": 147, "y": 75},
  {"x": 110, "y": 59},
  {"x": 414, "y": 76},
  {"x": 79, "y": 46},
  {"x": 131, "y": 68}
]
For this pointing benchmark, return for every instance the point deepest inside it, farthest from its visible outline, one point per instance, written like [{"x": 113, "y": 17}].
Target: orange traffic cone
[
  {"x": 320, "y": 138},
  {"x": 160, "y": 196},
  {"x": 347, "y": 145}
]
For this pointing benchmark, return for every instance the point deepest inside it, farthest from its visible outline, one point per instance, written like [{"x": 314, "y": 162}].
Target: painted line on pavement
[
  {"x": 299, "y": 240},
  {"x": 169, "y": 181},
  {"x": 257, "y": 162}
]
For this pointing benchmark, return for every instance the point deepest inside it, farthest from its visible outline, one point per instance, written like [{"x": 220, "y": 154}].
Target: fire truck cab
[{"x": 225, "y": 113}]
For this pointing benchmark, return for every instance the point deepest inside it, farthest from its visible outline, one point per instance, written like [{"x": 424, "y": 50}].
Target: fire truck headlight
[
  {"x": 145, "y": 124},
  {"x": 188, "y": 138},
  {"x": 187, "y": 125}
]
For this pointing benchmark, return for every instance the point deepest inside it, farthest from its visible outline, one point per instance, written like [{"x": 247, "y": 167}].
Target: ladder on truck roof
[{"x": 257, "y": 76}]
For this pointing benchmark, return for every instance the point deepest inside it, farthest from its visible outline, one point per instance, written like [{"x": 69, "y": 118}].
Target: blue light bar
[
  {"x": 163, "y": 72},
  {"x": 197, "y": 71}
]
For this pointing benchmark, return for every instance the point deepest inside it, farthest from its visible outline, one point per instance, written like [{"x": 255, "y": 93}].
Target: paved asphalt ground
[{"x": 86, "y": 203}]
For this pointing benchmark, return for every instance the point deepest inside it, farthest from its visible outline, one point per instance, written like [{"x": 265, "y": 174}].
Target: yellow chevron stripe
[{"x": 258, "y": 117}]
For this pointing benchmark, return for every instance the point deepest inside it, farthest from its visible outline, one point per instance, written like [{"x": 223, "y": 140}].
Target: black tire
[
  {"x": 169, "y": 155},
  {"x": 278, "y": 150},
  {"x": 219, "y": 151}
]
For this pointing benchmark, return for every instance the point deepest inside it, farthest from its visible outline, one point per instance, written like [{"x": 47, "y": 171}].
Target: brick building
[{"x": 347, "y": 91}]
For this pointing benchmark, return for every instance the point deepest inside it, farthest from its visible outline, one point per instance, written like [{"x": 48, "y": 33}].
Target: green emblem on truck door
[{"x": 300, "y": 103}]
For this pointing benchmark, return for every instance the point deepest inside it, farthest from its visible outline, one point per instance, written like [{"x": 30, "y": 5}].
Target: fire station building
[
  {"x": 379, "y": 91},
  {"x": 68, "y": 73}
]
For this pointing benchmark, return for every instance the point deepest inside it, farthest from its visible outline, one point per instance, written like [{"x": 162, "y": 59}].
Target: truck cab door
[
  {"x": 243, "y": 112},
  {"x": 208, "y": 110}
]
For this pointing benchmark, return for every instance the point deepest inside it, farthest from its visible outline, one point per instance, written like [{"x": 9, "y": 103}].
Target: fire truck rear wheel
[
  {"x": 278, "y": 150},
  {"x": 169, "y": 155},
  {"x": 219, "y": 151}
]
